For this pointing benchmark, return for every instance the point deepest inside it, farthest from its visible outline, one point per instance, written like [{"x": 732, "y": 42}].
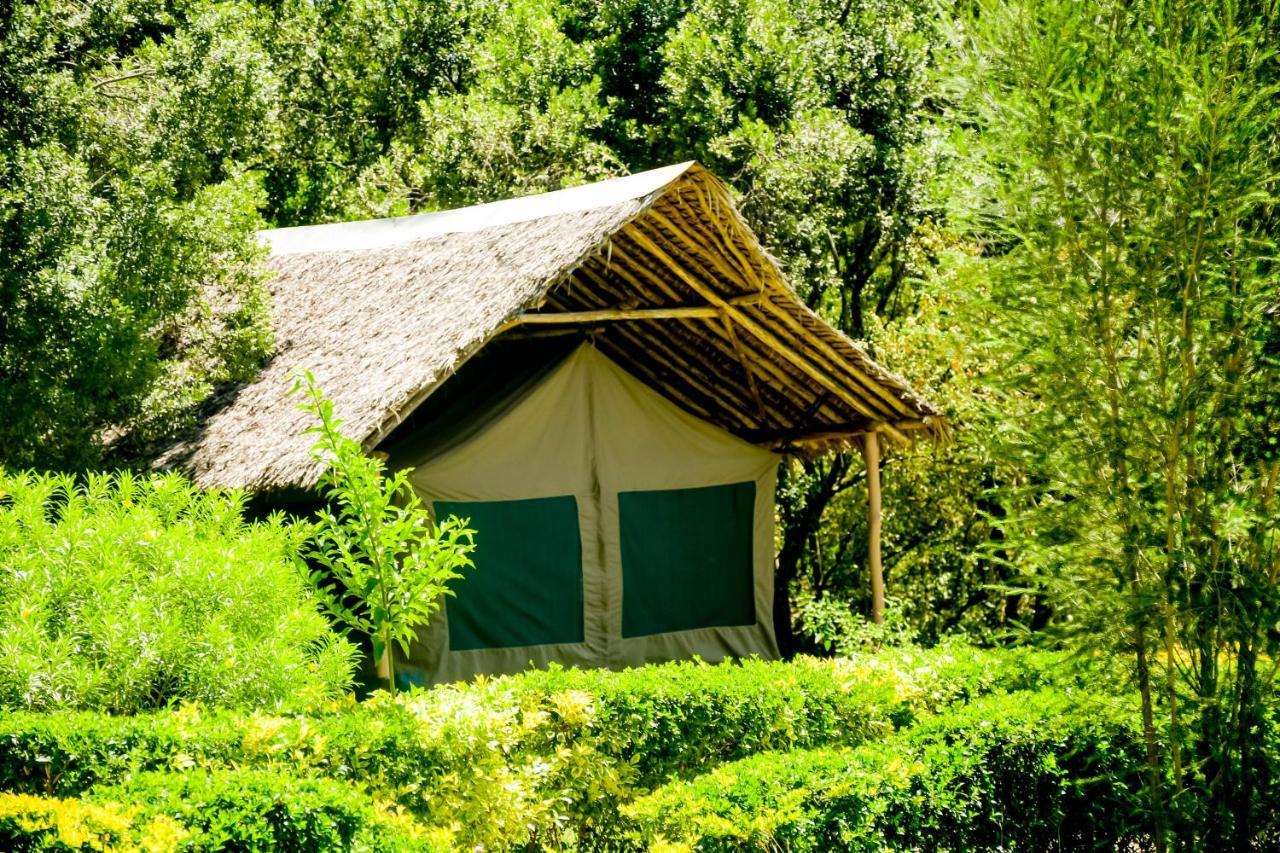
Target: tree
[
  {"x": 1125, "y": 166},
  {"x": 384, "y": 564},
  {"x": 816, "y": 115},
  {"x": 129, "y": 285}
]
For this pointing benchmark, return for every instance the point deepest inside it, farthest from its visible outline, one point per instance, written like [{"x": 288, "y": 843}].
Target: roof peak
[{"x": 382, "y": 233}]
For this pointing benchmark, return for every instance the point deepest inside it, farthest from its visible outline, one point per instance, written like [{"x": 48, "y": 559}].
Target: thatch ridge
[{"x": 383, "y": 321}]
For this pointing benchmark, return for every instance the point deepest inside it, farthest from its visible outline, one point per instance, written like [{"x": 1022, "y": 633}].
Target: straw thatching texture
[
  {"x": 385, "y": 321},
  {"x": 377, "y": 327}
]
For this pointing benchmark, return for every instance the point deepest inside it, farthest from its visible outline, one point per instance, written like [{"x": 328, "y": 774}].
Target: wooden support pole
[{"x": 871, "y": 452}]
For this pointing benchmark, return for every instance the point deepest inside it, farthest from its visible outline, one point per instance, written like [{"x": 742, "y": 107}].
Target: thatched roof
[{"x": 383, "y": 312}]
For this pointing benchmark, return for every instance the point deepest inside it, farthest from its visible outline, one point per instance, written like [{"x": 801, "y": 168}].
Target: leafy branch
[{"x": 384, "y": 565}]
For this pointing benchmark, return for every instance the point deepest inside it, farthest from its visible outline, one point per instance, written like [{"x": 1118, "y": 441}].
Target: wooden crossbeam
[
  {"x": 605, "y": 315},
  {"x": 784, "y": 440}
]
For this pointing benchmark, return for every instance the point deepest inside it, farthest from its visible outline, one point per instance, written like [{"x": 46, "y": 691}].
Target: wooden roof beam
[
  {"x": 755, "y": 329},
  {"x": 785, "y": 386},
  {"x": 616, "y": 314},
  {"x": 872, "y": 385}
]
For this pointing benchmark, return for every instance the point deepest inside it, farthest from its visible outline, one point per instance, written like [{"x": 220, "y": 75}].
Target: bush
[
  {"x": 30, "y": 823},
  {"x": 229, "y": 810},
  {"x": 256, "y": 810},
  {"x": 123, "y": 594},
  {"x": 1032, "y": 771},
  {"x": 547, "y": 756}
]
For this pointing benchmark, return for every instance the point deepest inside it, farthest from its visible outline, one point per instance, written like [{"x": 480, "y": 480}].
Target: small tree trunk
[
  {"x": 782, "y": 629},
  {"x": 390, "y": 659},
  {"x": 1155, "y": 793}
]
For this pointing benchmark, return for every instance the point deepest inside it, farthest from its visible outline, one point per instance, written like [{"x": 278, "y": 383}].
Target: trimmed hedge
[
  {"x": 1032, "y": 771},
  {"x": 544, "y": 757},
  {"x": 258, "y": 810},
  {"x": 231, "y": 810},
  {"x": 30, "y": 823}
]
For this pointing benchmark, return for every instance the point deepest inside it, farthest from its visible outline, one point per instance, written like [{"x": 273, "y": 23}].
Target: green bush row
[
  {"x": 1031, "y": 771},
  {"x": 229, "y": 810},
  {"x": 546, "y": 756}
]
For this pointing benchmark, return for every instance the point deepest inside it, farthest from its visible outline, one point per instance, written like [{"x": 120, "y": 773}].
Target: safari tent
[{"x": 603, "y": 380}]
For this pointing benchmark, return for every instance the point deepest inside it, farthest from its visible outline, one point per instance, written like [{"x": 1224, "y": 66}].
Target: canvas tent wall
[{"x": 612, "y": 527}]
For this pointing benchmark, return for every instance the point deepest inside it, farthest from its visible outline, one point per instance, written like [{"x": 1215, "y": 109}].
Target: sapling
[{"x": 384, "y": 564}]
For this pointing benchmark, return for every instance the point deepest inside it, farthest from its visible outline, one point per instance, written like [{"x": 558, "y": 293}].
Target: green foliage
[
  {"x": 385, "y": 564},
  {"x": 946, "y": 561},
  {"x": 129, "y": 285},
  {"x": 258, "y": 810},
  {"x": 31, "y": 824},
  {"x": 837, "y": 629},
  {"x": 1026, "y": 771},
  {"x": 123, "y": 594},
  {"x": 222, "y": 810},
  {"x": 813, "y": 109},
  {"x": 1125, "y": 163},
  {"x": 544, "y": 757}
]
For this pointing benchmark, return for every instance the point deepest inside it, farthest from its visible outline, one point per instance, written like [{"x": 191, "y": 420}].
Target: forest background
[{"x": 1057, "y": 220}]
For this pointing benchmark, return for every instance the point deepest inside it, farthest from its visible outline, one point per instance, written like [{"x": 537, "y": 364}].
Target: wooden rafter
[
  {"x": 678, "y": 369},
  {"x": 623, "y": 268},
  {"x": 746, "y": 364},
  {"x": 646, "y": 241},
  {"x": 829, "y": 357}
]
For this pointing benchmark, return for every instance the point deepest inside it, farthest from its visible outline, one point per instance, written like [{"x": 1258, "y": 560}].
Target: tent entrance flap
[
  {"x": 612, "y": 528},
  {"x": 526, "y": 589},
  {"x": 686, "y": 558}
]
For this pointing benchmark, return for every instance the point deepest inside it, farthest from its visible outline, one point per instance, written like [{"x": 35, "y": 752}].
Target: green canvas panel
[
  {"x": 526, "y": 587},
  {"x": 686, "y": 558}
]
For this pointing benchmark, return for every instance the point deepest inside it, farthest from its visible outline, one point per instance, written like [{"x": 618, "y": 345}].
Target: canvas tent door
[{"x": 612, "y": 528}]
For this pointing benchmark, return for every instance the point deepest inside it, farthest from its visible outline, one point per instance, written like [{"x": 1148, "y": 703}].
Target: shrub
[
  {"x": 836, "y": 626},
  {"x": 1033, "y": 771},
  {"x": 256, "y": 810},
  {"x": 32, "y": 823},
  {"x": 228, "y": 810},
  {"x": 123, "y": 593},
  {"x": 547, "y": 756}
]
